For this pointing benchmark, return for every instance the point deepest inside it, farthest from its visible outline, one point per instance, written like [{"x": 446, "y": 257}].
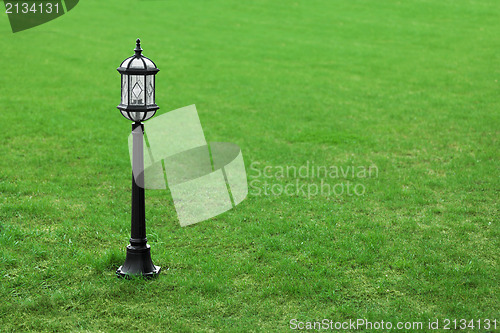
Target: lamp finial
[{"x": 138, "y": 48}]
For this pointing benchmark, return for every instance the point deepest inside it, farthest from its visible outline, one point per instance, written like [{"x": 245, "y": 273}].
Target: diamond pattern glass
[{"x": 137, "y": 91}]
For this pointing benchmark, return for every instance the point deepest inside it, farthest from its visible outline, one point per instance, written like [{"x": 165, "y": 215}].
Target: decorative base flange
[{"x": 138, "y": 262}]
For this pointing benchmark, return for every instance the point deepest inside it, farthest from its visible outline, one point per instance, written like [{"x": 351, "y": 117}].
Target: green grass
[{"x": 409, "y": 86}]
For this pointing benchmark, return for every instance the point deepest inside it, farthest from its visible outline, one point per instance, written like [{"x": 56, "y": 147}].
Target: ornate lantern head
[{"x": 138, "y": 86}]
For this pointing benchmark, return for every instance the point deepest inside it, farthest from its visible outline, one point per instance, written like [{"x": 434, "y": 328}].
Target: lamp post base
[{"x": 138, "y": 262}]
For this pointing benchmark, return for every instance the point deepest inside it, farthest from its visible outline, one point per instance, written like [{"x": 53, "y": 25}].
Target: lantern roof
[{"x": 138, "y": 64}]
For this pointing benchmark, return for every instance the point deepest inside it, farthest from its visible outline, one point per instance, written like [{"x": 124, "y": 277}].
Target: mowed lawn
[{"x": 411, "y": 87}]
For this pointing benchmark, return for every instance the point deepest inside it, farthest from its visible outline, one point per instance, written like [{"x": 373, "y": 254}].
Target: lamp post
[{"x": 138, "y": 104}]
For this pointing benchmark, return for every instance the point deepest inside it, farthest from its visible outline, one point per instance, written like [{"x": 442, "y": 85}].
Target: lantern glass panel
[
  {"x": 125, "y": 62},
  {"x": 137, "y": 63},
  {"x": 137, "y": 116},
  {"x": 149, "y": 63},
  {"x": 124, "y": 113},
  {"x": 136, "y": 88},
  {"x": 124, "y": 89},
  {"x": 150, "y": 89},
  {"x": 149, "y": 114}
]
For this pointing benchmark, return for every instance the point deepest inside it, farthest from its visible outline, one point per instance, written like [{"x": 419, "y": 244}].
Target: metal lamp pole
[{"x": 138, "y": 104}]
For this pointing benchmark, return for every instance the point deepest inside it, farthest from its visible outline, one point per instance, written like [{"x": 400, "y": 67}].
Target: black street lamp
[{"x": 138, "y": 104}]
